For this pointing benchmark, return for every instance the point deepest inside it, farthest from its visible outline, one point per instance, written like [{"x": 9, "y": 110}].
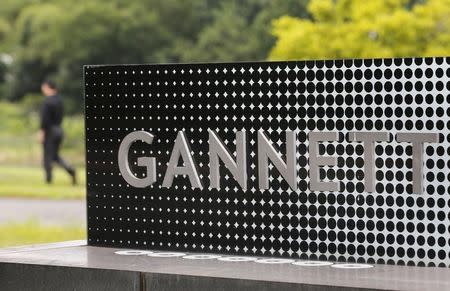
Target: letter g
[{"x": 148, "y": 162}]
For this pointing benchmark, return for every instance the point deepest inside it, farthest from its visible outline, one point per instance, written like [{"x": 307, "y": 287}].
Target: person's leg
[
  {"x": 47, "y": 159},
  {"x": 57, "y": 158}
]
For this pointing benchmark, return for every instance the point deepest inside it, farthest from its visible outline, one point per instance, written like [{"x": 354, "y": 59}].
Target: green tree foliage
[
  {"x": 4, "y": 32},
  {"x": 239, "y": 30},
  {"x": 359, "y": 28},
  {"x": 55, "y": 38},
  {"x": 228, "y": 23}
]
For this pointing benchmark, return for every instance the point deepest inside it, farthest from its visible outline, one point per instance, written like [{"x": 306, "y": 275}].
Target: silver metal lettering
[
  {"x": 267, "y": 152},
  {"x": 315, "y": 161},
  {"x": 417, "y": 140},
  {"x": 238, "y": 168},
  {"x": 148, "y": 162},
  {"x": 181, "y": 148},
  {"x": 369, "y": 139}
]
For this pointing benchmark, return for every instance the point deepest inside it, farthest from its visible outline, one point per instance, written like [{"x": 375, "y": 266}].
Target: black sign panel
[{"x": 344, "y": 160}]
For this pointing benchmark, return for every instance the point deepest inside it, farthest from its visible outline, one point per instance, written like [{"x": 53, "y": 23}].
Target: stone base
[{"x": 75, "y": 266}]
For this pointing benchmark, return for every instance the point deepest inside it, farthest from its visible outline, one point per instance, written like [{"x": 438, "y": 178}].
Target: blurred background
[{"x": 42, "y": 39}]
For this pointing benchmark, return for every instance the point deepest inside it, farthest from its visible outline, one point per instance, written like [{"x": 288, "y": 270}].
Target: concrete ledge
[
  {"x": 14, "y": 277},
  {"x": 74, "y": 266},
  {"x": 167, "y": 282}
]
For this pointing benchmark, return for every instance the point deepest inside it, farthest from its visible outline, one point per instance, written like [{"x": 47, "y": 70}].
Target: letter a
[{"x": 181, "y": 148}]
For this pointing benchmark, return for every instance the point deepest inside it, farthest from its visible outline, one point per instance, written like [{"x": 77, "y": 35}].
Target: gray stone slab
[
  {"x": 26, "y": 277},
  {"x": 170, "y": 282},
  {"x": 78, "y": 262}
]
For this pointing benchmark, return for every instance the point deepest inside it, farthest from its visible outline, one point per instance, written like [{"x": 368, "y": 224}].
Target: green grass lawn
[
  {"x": 28, "y": 182},
  {"x": 18, "y": 136},
  {"x": 32, "y": 233},
  {"x": 21, "y": 174}
]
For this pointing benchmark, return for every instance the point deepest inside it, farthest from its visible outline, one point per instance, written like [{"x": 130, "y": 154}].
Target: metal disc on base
[
  {"x": 312, "y": 263},
  {"x": 237, "y": 259},
  {"x": 201, "y": 257},
  {"x": 352, "y": 266},
  {"x": 274, "y": 261},
  {"x": 166, "y": 255},
  {"x": 133, "y": 253}
]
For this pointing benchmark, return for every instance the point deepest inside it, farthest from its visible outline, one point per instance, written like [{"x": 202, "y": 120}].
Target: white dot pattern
[{"x": 391, "y": 225}]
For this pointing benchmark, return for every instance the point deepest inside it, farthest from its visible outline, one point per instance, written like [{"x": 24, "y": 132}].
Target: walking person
[{"x": 51, "y": 133}]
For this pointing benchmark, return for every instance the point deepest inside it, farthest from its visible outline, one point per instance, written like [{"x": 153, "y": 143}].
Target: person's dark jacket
[{"x": 51, "y": 113}]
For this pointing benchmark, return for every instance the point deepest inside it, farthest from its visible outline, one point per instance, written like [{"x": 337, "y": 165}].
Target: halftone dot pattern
[{"x": 391, "y": 225}]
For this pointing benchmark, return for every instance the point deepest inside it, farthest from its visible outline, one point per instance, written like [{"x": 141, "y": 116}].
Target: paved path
[{"x": 45, "y": 211}]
